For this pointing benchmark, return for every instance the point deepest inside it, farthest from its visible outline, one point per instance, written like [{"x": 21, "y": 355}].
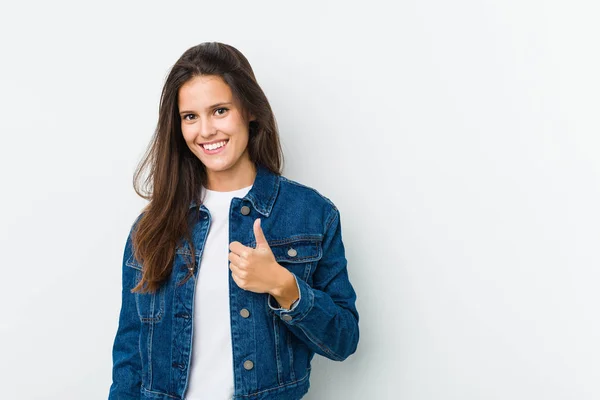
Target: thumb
[{"x": 261, "y": 241}]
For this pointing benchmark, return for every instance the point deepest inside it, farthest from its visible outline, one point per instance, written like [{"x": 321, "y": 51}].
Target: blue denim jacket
[{"x": 272, "y": 347}]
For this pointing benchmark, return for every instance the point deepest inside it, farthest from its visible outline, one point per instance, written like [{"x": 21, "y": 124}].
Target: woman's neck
[{"x": 239, "y": 177}]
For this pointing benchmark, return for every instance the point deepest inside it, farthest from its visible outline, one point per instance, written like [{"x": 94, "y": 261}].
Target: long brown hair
[{"x": 176, "y": 175}]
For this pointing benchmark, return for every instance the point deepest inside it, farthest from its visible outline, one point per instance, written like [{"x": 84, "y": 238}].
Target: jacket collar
[{"x": 263, "y": 192}]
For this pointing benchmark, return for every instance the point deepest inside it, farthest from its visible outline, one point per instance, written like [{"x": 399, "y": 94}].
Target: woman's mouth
[{"x": 215, "y": 148}]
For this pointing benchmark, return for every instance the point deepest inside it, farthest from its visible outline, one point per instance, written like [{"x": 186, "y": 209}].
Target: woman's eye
[
  {"x": 186, "y": 116},
  {"x": 222, "y": 108}
]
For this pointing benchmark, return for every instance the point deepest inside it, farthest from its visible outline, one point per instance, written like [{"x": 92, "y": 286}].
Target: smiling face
[{"x": 211, "y": 115}]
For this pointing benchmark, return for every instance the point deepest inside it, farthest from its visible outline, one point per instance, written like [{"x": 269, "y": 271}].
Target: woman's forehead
[{"x": 205, "y": 88}]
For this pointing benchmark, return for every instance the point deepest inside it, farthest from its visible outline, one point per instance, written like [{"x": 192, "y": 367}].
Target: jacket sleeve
[
  {"x": 126, "y": 370},
  {"x": 325, "y": 316}
]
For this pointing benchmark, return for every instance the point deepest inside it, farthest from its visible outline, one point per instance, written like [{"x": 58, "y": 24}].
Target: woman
[{"x": 233, "y": 275}]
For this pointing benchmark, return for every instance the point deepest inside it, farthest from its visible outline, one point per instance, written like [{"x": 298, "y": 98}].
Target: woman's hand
[{"x": 257, "y": 270}]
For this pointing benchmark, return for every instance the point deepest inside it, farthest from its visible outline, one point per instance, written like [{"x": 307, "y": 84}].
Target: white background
[{"x": 459, "y": 140}]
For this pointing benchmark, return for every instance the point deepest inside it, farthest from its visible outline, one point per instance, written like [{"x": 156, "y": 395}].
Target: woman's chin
[{"x": 216, "y": 167}]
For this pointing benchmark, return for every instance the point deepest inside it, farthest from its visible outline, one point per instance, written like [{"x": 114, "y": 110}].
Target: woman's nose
[{"x": 207, "y": 128}]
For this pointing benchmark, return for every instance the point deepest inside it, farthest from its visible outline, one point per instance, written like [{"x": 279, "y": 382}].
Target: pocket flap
[
  {"x": 133, "y": 263},
  {"x": 296, "y": 250}
]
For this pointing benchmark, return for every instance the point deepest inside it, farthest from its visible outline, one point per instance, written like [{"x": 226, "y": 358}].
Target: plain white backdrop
[{"x": 459, "y": 140}]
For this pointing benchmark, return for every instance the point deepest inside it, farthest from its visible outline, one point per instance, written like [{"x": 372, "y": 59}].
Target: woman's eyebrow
[{"x": 209, "y": 107}]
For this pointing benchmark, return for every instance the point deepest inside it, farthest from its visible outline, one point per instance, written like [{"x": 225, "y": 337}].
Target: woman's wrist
[{"x": 287, "y": 292}]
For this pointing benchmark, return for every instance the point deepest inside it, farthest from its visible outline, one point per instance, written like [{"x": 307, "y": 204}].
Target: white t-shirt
[{"x": 211, "y": 369}]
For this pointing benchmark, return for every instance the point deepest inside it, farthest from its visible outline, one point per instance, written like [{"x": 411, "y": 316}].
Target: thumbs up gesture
[{"x": 256, "y": 270}]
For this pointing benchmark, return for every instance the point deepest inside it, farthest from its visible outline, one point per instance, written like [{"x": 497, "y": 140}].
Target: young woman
[{"x": 234, "y": 276}]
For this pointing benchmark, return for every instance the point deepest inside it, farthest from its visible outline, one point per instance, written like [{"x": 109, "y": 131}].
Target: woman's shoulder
[{"x": 294, "y": 190}]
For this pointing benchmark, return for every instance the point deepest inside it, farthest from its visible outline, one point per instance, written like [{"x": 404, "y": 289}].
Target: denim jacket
[{"x": 272, "y": 346}]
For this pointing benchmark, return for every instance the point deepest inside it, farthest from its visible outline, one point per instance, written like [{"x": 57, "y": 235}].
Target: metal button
[
  {"x": 244, "y": 313},
  {"x": 286, "y": 317},
  {"x": 292, "y": 252},
  {"x": 248, "y": 365},
  {"x": 245, "y": 210}
]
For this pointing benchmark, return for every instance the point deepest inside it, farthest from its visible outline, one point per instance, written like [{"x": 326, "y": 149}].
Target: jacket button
[
  {"x": 248, "y": 365},
  {"x": 244, "y": 313},
  {"x": 287, "y": 317},
  {"x": 245, "y": 210},
  {"x": 292, "y": 252}
]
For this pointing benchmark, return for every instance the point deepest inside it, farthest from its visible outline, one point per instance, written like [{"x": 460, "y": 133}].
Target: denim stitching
[
  {"x": 307, "y": 271},
  {"x": 269, "y": 205},
  {"x": 161, "y": 303},
  {"x": 296, "y": 238},
  {"x": 161, "y": 393},
  {"x": 160, "y": 312},
  {"x": 277, "y": 357},
  {"x": 142, "y": 375},
  {"x": 150, "y": 336},
  {"x": 332, "y": 218},
  {"x": 291, "y": 354},
  {"x": 295, "y": 259},
  {"x": 291, "y": 239},
  {"x": 274, "y": 193},
  {"x": 307, "y": 187},
  {"x": 321, "y": 345},
  {"x": 132, "y": 263},
  {"x": 136, "y": 297},
  {"x": 278, "y": 387}
]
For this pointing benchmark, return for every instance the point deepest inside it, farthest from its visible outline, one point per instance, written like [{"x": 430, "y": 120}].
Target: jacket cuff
[{"x": 300, "y": 308}]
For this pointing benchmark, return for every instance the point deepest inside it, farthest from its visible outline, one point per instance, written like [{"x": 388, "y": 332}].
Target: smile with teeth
[{"x": 214, "y": 146}]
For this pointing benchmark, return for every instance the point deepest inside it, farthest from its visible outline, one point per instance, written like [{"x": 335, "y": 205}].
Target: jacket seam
[
  {"x": 133, "y": 264},
  {"x": 149, "y": 344},
  {"x": 290, "y": 350},
  {"x": 288, "y": 180},
  {"x": 277, "y": 387},
  {"x": 322, "y": 346},
  {"x": 160, "y": 393},
  {"x": 277, "y": 350},
  {"x": 331, "y": 218},
  {"x": 290, "y": 239}
]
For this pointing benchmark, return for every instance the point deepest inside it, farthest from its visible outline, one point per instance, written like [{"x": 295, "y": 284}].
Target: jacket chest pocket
[
  {"x": 150, "y": 306},
  {"x": 298, "y": 255}
]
